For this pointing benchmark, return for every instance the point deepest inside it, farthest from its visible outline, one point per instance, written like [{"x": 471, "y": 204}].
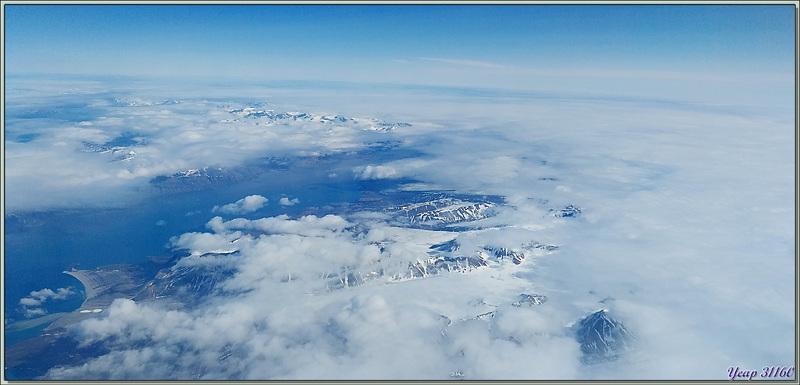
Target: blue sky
[{"x": 473, "y": 45}]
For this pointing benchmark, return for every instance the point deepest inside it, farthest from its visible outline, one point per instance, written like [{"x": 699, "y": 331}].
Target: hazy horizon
[{"x": 699, "y": 52}]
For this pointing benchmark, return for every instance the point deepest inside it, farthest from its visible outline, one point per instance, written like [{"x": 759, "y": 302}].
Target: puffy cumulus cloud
[
  {"x": 296, "y": 257},
  {"x": 247, "y": 204},
  {"x": 60, "y": 293},
  {"x": 204, "y": 243},
  {"x": 401, "y": 168},
  {"x": 146, "y": 364},
  {"x": 315, "y": 249},
  {"x": 29, "y": 301},
  {"x": 309, "y": 225},
  {"x": 30, "y": 304},
  {"x": 288, "y": 311},
  {"x": 352, "y": 336},
  {"x": 376, "y": 172},
  {"x": 289, "y": 202},
  {"x": 129, "y": 322}
]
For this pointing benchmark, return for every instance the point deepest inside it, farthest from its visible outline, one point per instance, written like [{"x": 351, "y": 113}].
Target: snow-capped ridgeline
[
  {"x": 271, "y": 116},
  {"x": 336, "y": 131}
]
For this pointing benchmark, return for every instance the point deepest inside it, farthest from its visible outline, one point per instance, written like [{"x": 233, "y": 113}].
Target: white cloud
[
  {"x": 499, "y": 169},
  {"x": 292, "y": 266},
  {"x": 59, "y": 169},
  {"x": 308, "y": 225},
  {"x": 31, "y": 305},
  {"x": 35, "y": 312},
  {"x": 247, "y": 204},
  {"x": 683, "y": 206},
  {"x": 376, "y": 172},
  {"x": 289, "y": 202},
  {"x": 30, "y": 302},
  {"x": 45, "y": 294}
]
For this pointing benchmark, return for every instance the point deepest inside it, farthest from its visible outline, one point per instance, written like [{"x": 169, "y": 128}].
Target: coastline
[
  {"x": 90, "y": 290},
  {"x": 30, "y": 323},
  {"x": 102, "y": 286}
]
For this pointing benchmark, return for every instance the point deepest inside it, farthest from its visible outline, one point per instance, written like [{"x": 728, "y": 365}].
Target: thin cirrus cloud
[{"x": 465, "y": 62}]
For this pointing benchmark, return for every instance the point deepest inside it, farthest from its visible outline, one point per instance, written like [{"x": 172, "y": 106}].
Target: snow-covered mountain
[
  {"x": 118, "y": 148},
  {"x": 602, "y": 338},
  {"x": 270, "y": 116},
  {"x": 529, "y": 300},
  {"x": 442, "y": 211},
  {"x": 136, "y": 102},
  {"x": 184, "y": 285},
  {"x": 570, "y": 211},
  {"x": 213, "y": 176}
]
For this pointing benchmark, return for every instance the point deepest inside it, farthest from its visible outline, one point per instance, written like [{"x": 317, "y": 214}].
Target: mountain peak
[{"x": 602, "y": 338}]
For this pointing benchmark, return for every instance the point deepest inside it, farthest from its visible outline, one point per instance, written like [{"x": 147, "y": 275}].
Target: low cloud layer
[
  {"x": 104, "y": 151},
  {"x": 281, "y": 315},
  {"x": 686, "y": 235}
]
